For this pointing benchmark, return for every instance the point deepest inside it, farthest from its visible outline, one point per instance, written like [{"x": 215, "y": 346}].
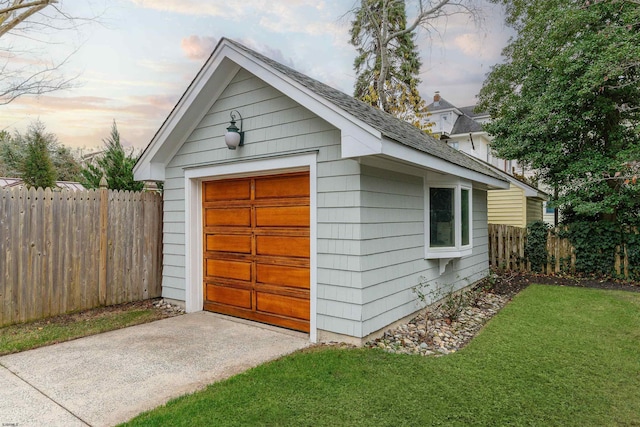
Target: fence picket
[
  {"x": 50, "y": 251},
  {"x": 506, "y": 252}
]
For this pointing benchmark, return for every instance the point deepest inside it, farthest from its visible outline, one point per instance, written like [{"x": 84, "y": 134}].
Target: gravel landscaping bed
[{"x": 433, "y": 333}]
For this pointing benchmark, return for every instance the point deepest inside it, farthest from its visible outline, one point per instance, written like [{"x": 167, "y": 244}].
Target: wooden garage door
[{"x": 256, "y": 248}]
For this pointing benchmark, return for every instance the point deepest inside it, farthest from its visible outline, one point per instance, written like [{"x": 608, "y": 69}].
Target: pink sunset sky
[{"x": 135, "y": 59}]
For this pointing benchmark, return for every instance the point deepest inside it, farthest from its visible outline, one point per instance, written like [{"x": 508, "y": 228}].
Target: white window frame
[{"x": 458, "y": 249}]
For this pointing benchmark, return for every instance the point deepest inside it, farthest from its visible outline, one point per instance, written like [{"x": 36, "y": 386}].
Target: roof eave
[{"x": 425, "y": 160}]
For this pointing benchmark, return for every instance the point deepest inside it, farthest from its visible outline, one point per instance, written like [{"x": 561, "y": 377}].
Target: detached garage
[{"x": 322, "y": 216}]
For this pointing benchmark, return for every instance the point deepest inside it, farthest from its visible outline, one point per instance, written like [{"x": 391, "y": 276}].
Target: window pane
[
  {"x": 464, "y": 216},
  {"x": 441, "y": 222}
]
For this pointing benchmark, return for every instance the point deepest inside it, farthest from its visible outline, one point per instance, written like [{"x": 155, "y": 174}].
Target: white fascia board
[
  {"x": 425, "y": 160},
  {"x": 201, "y": 94}
]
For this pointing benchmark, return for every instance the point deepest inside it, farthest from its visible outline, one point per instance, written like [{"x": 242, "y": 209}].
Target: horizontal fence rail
[
  {"x": 63, "y": 251},
  {"x": 506, "y": 252}
]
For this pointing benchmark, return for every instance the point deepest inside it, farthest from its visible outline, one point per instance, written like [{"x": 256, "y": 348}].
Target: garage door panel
[
  {"x": 296, "y": 277},
  {"x": 231, "y": 296},
  {"x": 282, "y": 216},
  {"x": 283, "y": 246},
  {"x": 228, "y": 269},
  {"x": 257, "y": 247},
  {"x": 283, "y": 305},
  {"x": 227, "y": 190},
  {"x": 235, "y": 243},
  {"x": 228, "y": 217},
  {"x": 282, "y": 186}
]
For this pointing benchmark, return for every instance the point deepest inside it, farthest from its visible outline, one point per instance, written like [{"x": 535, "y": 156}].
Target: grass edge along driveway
[{"x": 553, "y": 356}]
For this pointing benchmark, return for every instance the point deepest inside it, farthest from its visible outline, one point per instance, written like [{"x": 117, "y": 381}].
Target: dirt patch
[
  {"x": 161, "y": 312},
  {"x": 510, "y": 283}
]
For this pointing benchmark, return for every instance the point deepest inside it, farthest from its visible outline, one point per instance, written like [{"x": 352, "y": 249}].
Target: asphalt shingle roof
[
  {"x": 442, "y": 104},
  {"x": 465, "y": 124},
  {"x": 391, "y": 127}
]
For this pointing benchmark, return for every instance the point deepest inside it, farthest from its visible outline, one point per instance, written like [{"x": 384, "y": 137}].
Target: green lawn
[
  {"x": 555, "y": 356},
  {"x": 26, "y": 336}
]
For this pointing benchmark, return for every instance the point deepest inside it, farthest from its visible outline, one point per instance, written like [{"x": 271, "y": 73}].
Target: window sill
[{"x": 433, "y": 253}]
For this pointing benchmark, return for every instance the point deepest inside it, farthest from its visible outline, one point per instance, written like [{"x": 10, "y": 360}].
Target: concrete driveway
[{"x": 109, "y": 378}]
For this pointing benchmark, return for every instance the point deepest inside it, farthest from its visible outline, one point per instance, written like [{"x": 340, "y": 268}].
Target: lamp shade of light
[
  {"x": 232, "y": 139},
  {"x": 234, "y": 136}
]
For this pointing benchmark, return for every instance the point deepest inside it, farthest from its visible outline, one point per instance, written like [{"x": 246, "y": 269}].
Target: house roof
[
  {"x": 465, "y": 124},
  {"x": 470, "y": 110},
  {"x": 338, "y": 108},
  {"x": 440, "y": 105}
]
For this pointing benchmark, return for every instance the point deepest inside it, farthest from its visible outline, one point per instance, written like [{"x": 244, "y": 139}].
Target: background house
[
  {"x": 461, "y": 128},
  {"x": 324, "y": 219}
]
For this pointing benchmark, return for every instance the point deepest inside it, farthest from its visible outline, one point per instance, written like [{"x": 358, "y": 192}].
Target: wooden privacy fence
[
  {"x": 62, "y": 251},
  {"x": 506, "y": 252}
]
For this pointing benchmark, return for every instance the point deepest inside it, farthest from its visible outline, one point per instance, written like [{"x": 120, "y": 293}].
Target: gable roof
[{"x": 364, "y": 128}]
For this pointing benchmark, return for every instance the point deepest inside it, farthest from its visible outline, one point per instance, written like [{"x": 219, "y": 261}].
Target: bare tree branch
[
  {"x": 24, "y": 68},
  {"x": 9, "y": 19}
]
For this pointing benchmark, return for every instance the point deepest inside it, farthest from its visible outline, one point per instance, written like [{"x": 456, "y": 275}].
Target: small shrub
[{"x": 450, "y": 302}]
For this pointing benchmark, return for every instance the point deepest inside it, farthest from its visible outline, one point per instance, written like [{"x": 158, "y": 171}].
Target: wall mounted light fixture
[{"x": 234, "y": 137}]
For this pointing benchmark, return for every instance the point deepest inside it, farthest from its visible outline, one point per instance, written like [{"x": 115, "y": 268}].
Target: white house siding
[
  {"x": 273, "y": 124},
  {"x": 393, "y": 248}
]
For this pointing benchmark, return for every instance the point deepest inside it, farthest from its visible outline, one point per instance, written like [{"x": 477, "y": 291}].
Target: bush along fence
[
  {"x": 63, "y": 251},
  {"x": 591, "y": 248}
]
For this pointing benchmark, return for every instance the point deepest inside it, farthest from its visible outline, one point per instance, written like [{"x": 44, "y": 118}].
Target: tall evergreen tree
[
  {"x": 115, "y": 164},
  {"x": 387, "y": 64},
  {"x": 566, "y": 102},
  {"x": 37, "y": 168}
]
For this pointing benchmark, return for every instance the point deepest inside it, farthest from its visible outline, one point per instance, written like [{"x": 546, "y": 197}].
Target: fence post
[{"x": 104, "y": 217}]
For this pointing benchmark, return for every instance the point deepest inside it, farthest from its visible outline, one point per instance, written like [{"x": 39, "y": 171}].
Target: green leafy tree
[
  {"x": 115, "y": 164},
  {"x": 37, "y": 169},
  {"x": 388, "y": 64},
  {"x": 566, "y": 102}
]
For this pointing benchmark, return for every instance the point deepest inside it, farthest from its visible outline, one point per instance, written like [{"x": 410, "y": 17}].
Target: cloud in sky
[
  {"x": 187, "y": 7},
  {"x": 197, "y": 47}
]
